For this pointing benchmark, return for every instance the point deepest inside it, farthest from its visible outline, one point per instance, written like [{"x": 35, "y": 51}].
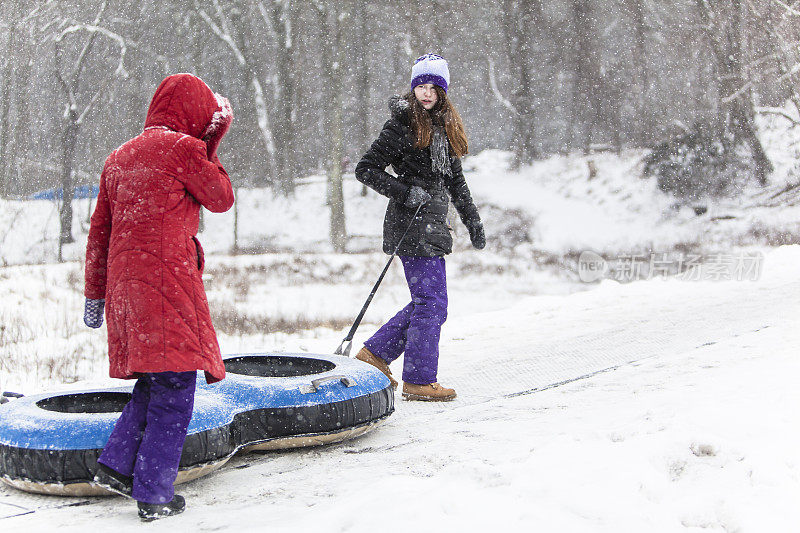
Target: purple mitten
[{"x": 93, "y": 312}]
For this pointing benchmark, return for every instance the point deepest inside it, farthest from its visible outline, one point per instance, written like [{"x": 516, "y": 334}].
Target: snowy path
[
  {"x": 550, "y": 339},
  {"x": 701, "y": 433}
]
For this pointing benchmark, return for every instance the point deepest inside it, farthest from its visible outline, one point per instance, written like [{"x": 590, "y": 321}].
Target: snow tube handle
[
  {"x": 316, "y": 383},
  {"x": 8, "y": 394}
]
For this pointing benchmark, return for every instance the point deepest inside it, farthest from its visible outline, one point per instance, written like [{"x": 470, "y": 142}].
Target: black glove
[
  {"x": 93, "y": 312},
  {"x": 416, "y": 196},
  {"x": 476, "y": 235}
]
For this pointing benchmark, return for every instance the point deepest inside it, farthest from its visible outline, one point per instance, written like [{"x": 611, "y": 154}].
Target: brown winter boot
[
  {"x": 427, "y": 393},
  {"x": 368, "y": 357}
]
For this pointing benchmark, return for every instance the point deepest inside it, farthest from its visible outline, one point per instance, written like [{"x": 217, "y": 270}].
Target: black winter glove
[
  {"x": 93, "y": 312},
  {"x": 416, "y": 196},
  {"x": 476, "y": 235}
]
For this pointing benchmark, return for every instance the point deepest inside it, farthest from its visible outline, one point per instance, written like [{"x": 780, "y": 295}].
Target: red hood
[{"x": 182, "y": 103}]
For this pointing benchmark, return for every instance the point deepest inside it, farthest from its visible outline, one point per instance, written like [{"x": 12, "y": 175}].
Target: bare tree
[
  {"x": 596, "y": 94},
  {"x": 777, "y": 51},
  {"x": 219, "y": 20},
  {"x": 333, "y": 17},
  {"x": 241, "y": 25},
  {"x": 521, "y": 21},
  {"x": 281, "y": 17},
  {"x": 362, "y": 136},
  {"x": 561, "y": 74},
  {"x": 722, "y": 26},
  {"x": 73, "y": 83},
  {"x": 420, "y": 38},
  {"x": 5, "y": 100},
  {"x": 645, "y": 124},
  {"x": 15, "y": 80}
]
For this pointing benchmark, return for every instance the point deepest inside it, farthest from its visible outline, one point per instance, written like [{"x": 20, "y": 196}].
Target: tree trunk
[
  {"x": 586, "y": 82},
  {"x": 362, "y": 83},
  {"x": 249, "y": 61},
  {"x": 645, "y": 127},
  {"x": 596, "y": 99},
  {"x": 281, "y": 17},
  {"x": 335, "y": 185},
  {"x": 742, "y": 109},
  {"x": 5, "y": 124},
  {"x": 22, "y": 124},
  {"x": 735, "y": 107},
  {"x": 69, "y": 141},
  {"x": 262, "y": 118},
  {"x": 422, "y": 37},
  {"x": 521, "y": 20},
  {"x": 5, "y": 113},
  {"x": 236, "y": 248},
  {"x": 332, "y": 22}
]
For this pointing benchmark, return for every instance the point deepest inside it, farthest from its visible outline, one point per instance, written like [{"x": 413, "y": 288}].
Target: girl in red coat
[{"x": 144, "y": 260}]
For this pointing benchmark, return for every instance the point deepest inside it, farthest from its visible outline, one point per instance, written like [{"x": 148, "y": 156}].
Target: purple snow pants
[
  {"x": 417, "y": 327},
  {"x": 147, "y": 440}
]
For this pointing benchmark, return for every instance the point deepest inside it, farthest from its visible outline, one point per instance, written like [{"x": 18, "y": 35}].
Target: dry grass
[
  {"x": 762, "y": 234},
  {"x": 50, "y": 358},
  {"x": 64, "y": 368},
  {"x": 43, "y": 341},
  {"x": 229, "y": 320},
  {"x": 296, "y": 269}
]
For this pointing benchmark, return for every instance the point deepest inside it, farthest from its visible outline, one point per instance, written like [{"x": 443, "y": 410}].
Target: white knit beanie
[{"x": 430, "y": 68}]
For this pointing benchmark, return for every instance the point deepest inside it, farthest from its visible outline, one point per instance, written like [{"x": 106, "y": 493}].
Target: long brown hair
[{"x": 443, "y": 113}]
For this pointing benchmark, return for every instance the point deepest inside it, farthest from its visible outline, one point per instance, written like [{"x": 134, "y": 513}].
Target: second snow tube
[{"x": 49, "y": 443}]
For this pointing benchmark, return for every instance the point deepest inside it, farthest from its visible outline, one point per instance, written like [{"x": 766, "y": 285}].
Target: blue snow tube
[
  {"x": 81, "y": 191},
  {"x": 49, "y": 443}
]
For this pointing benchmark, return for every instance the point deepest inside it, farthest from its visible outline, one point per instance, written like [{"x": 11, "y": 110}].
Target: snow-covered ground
[
  {"x": 686, "y": 419},
  {"x": 668, "y": 404}
]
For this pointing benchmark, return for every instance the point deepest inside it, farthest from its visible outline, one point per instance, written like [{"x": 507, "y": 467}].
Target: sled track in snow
[
  {"x": 550, "y": 355},
  {"x": 590, "y": 374}
]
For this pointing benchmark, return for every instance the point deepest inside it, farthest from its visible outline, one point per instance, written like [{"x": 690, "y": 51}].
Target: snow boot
[
  {"x": 427, "y": 393},
  {"x": 368, "y": 357},
  {"x": 110, "y": 479},
  {"x": 153, "y": 511}
]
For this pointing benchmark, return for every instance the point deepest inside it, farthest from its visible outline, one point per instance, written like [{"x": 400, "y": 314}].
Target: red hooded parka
[{"x": 142, "y": 255}]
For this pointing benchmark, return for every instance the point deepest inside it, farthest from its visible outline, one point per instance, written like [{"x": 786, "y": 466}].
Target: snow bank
[{"x": 695, "y": 428}]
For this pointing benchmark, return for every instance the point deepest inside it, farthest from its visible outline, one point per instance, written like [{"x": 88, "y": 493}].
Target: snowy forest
[
  {"x": 309, "y": 81},
  {"x": 619, "y": 312}
]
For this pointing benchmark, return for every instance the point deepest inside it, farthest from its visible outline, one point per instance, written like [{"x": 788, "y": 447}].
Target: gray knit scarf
[{"x": 440, "y": 158}]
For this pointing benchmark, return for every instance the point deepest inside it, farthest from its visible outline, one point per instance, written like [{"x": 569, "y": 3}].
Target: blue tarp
[{"x": 82, "y": 191}]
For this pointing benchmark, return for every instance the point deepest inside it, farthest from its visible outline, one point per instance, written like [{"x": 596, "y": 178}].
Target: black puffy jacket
[{"x": 429, "y": 235}]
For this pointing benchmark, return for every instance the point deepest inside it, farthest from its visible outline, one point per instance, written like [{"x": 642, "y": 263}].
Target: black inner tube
[
  {"x": 276, "y": 366},
  {"x": 266, "y": 366},
  {"x": 86, "y": 402}
]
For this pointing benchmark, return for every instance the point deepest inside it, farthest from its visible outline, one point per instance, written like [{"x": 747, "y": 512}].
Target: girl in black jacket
[{"x": 423, "y": 141}]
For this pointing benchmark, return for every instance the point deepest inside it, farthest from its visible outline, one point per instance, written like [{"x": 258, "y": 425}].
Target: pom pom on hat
[{"x": 430, "y": 68}]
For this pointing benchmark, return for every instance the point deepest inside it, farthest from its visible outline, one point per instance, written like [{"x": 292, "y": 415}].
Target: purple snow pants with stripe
[
  {"x": 417, "y": 327},
  {"x": 147, "y": 440}
]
